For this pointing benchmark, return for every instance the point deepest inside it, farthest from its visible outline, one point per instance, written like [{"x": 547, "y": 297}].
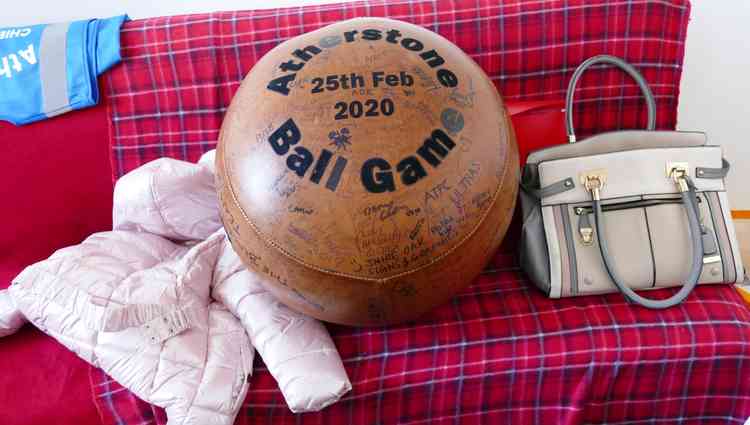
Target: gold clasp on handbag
[
  {"x": 587, "y": 236},
  {"x": 678, "y": 171},
  {"x": 594, "y": 181},
  {"x": 585, "y": 230}
]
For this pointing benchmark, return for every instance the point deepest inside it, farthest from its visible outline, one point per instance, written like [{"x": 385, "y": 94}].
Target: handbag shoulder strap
[{"x": 612, "y": 60}]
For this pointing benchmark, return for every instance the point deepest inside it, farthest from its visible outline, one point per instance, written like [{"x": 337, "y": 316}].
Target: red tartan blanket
[{"x": 499, "y": 352}]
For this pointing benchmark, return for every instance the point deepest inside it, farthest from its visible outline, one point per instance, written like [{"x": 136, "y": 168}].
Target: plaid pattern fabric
[
  {"x": 179, "y": 74},
  {"x": 499, "y": 352}
]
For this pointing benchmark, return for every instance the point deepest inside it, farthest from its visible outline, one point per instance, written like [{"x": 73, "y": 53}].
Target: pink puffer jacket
[{"x": 164, "y": 305}]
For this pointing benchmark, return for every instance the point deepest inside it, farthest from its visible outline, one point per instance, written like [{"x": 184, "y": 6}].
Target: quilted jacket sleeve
[
  {"x": 11, "y": 318},
  {"x": 138, "y": 306},
  {"x": 177, "y": 200},
  {"x": 170, "y": 198},
  {"x": 297, "y": 349}
]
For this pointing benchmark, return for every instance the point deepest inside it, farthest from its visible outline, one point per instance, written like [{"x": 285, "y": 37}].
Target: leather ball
[{"x": 369, "y": 169}]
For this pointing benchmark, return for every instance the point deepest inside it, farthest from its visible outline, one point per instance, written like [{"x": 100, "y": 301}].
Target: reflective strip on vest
[{"x": 53, "y": 69}]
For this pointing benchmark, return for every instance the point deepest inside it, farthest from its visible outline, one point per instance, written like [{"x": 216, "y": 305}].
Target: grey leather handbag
[{"x": 627, "y": 210}]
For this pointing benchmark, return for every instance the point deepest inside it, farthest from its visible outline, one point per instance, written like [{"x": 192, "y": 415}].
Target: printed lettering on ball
[{"x": 368, "y": 171}]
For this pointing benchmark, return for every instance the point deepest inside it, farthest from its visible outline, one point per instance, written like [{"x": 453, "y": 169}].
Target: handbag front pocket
[
  {"x": 629, "y": 242},
  {"x": 647, "y": 236}
]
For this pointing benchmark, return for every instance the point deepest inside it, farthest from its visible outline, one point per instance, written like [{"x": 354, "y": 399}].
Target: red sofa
[
  {"x": 57, "y": 190},
  {"x": 499, "y": 352}
]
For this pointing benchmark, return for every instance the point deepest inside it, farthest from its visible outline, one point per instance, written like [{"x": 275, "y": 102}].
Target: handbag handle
[
  {"x": 687, "y": 191},
  {"x": 612, "y": 60}
]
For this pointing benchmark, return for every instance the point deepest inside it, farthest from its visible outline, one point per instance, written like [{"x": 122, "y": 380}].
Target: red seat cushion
[
  {"x": 57, "y": 186},
  {"x": 57, "y": 189}
]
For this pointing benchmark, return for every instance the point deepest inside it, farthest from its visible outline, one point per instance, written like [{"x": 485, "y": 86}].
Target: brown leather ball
[{"x": 369, "y": 169}]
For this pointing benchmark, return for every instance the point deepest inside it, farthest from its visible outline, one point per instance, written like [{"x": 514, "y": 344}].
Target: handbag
[{"x": 627, "y": 210}]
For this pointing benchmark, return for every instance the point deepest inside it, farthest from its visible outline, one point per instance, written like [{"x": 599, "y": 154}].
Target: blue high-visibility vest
[{"x": 50, "y": 69}]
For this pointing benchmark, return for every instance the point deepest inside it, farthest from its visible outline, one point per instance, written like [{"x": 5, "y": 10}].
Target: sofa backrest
[
  {"x": 179, "y": 73},
  {"x": 56, "y": 186}
]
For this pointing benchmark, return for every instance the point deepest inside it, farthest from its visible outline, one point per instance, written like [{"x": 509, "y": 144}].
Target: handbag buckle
[
  {"x": 587, "y": 236},
  {"x": 712, "y": 259},
  {"x": 678, "y": 171},
  {"x": 594, "y": 181}
]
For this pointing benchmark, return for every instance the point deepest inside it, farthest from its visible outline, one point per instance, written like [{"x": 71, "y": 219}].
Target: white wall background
[{"x": 715, "y": 90}]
